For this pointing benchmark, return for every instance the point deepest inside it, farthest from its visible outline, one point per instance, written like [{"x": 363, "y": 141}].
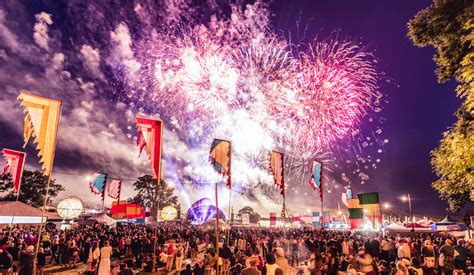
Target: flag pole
[
  {"x": 157, "y": 195},
  {"x": 14, "y": 212},
  {"x": 217, "y": 223},
  {"x": 230, "y": 193},
  {"x": 43, "y": 212},
  {"x": 35, "y": 264},
  {"x": 17, "y": 193}
]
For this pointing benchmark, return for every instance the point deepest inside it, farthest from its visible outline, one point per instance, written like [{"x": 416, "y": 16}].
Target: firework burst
[{"x": 234, "y": 78}]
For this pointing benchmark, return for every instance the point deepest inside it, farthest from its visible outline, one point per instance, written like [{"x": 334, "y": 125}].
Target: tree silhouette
[
  {"x": 32, "y": 188},
  {"x": 150, "y": 192}
]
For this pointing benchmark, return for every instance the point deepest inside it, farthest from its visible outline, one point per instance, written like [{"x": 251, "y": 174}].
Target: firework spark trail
[{"x": 234, "y": 78}]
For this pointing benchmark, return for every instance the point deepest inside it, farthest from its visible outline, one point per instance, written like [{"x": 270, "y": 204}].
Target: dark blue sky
[{"x": 419, "y": 108}]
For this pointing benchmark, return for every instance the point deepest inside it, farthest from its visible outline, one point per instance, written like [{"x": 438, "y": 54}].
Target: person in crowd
[
  {"x": 6, "y": 262},
  {"x": 179, "y": 257},
  {"x": 271, "y": 267},
  {"x": 225, "y": 253},
  {"x": 415, "y": 267},
  {"x": 211, "y": 262},
  {"x": 461, "y": 254},
  {"x": 281, "y": 261},
  {"x": 104, "y": 265},
  {"x": 187, "y": 270},
  {"x": 252, "y": 269},
  {"x": 446, "y": 257},
  {"x": 93, "y": 259},
  {"x": 428, "y": 254},
  {"x": 26, "y": 260},
  {"x": 145, "y": 248},
  {"x": 41, "y": 260},
  {"x": 366, "y": 263},
  {"x": 404, "y": 250}
]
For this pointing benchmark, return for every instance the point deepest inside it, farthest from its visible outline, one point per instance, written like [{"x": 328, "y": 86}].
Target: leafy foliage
[
  {"x": 150, "y": 192},
  {"x": 32, "y": 189},
  {"x": 449, "y": 27}
]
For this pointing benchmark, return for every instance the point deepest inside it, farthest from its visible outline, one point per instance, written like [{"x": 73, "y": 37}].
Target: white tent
[
  {"x": 395, "y": 225},
  {"x": 17, "y": 212},
  {"x": 102, "y": 218}
]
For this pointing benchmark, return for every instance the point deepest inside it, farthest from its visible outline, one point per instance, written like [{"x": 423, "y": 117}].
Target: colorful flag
[
  {"x": 326, "y": 219},
  {"x": 296, "y": 218},
  {"x": 316, "y": 178},
  {"x": 97, "y": 184},
  {"x": 124, "y": 210},
  {"x": 277, "y": 169},
  {"x": 353, "y": 203},
  {"x": 349, "y": 193},
  {"x": 14, "y": 163},
  {"x": 355, "y": 223},
  {"x": 356, "y": 213},
  {"x": 115, "y": 186},
  {"x": 273, "y": 219},
  {"x": 371, "y": 206},
  {"x": 148, "y": 216},
  {"x": 316, "y": 220},
  {"x": 220, "y": 157},
  {"x": 41, "y": 122},
  {"x": 150, "y": 138},
  {"x": 368, "y": 198}
]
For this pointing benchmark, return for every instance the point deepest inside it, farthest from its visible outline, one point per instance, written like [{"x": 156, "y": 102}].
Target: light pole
[{"x": 408, "y": 198}]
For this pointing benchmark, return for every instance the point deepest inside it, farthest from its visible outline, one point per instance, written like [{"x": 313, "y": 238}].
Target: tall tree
[
  {"x": 448, "y": 26},
  {"x": 32, "y": 189},
  {"x": 150, "y": 192}
]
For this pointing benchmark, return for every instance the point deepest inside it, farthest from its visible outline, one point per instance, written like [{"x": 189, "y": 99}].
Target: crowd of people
[{"x": 178, "y": 249}]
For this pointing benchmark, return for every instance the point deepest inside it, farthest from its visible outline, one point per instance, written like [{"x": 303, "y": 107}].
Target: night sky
[{"x": 418, "y": 109}]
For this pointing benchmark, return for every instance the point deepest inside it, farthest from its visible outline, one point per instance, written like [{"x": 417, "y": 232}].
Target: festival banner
[
  {"x": 316, "y": 178},
  {"x": 316, "y": 220},
  {"x": 41, "y": 121},
  {"x": 326, "y": 219},
  {"x": 148, "y": 216},
  {"x": 353, "y": 203},
  {"x": 114, "y": 189},
  {"x": 371, "y": 205},
  {"x": 296, "y": 218},
  {"x": 124, "y": 210},
  {"x": 150, "y": 138},
  {"x": 355, "y": 223},
  {"x": 277, "y": 169},
  {"x": 368, "y": 198},
  {"x": 356, "y": 213},
  {"x": 14, "y": 163},
  {"x": 273, "y": 219},
  {"x": 220, "y": 157},
  {"x": 349, "y": 193},
  {"x": 97, "y": 184}
]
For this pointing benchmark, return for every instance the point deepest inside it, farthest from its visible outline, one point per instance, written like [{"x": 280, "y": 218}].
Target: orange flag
[
  {"x": 277, "y": 169},
  {"x": 41, "y": 121}
]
